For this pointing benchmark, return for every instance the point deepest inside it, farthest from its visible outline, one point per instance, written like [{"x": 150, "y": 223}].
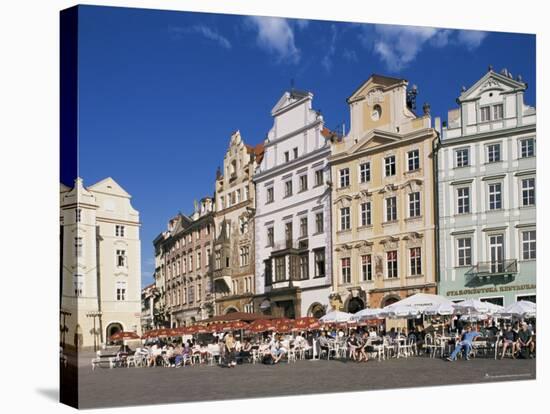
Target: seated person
[
  {"x": 245, "y": 351},
  {"x": 525, "y": 340},
  {"x": 509, "y": 339},
  {"x": 276, "y": 349},
  {"x": 364, "y": 347},
  {"x": 324, "y": 342},
  {"x": 465, "y": 344}
]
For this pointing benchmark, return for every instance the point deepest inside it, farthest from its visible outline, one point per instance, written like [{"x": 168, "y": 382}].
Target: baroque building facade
[
  {"x": 234, "y": 250},
  {"x": 185, "y": 263},
  {"x": 383, "y": 228},
  {"x": 292, "y": 220},
  {"x": 100, "y": 263},
  {"x": 487, "y": 193}
]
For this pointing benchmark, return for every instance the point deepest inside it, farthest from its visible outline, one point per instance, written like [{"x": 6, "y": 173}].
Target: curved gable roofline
[{"x": 512, "y": 83}]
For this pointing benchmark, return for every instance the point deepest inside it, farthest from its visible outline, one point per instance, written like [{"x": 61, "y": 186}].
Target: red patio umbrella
[
  {"x": 238, "y": 325},
  {"x": 284, "y": 327},
  {"x": 123, "y": 335},
  {"x": 304, "y": 323},
  {"x": 261, "y": 325},
  {"x": 215, "y": 327}
]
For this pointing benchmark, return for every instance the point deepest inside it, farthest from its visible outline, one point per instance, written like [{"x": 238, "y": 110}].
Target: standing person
[
  {"x": 465, "y": 344},
  {"x": 230, "y": 350},
  {"x": 352, "y": 344}
]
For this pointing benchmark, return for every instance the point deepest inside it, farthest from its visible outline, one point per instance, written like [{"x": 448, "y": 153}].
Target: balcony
[
  {"x": 222, "y": 276},
  {"x": 494, "y": 272},
  {"x": 284, "y": 245}
]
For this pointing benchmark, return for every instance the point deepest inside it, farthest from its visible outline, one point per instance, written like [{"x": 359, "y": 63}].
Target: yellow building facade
[{"x": 383, "y": 219}]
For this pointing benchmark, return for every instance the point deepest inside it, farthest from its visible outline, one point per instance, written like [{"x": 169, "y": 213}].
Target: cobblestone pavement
[{"x": 132, "y": 386}]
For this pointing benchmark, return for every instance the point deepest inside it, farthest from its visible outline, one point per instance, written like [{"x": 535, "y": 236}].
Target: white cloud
[
  {"x": 398, "y": 46},
  {"x": 327, "y": 59},
  {"x": 301, "y": 23},
  {"x": 350, "y": 55},
  {"x": 471, "y": 38},
  {"x": 275, "y": 35},
  {"x": 204, "y": 31}
]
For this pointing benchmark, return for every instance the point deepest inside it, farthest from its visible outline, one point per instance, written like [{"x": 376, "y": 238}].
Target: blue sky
[{"x": 160, "y": 92}]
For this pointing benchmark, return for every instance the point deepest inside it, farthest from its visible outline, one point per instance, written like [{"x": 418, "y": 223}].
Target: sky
[{"x": 160, "y": 92}]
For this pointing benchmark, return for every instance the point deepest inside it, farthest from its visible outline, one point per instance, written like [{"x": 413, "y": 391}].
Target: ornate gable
[{"x": 492, "y": 81}]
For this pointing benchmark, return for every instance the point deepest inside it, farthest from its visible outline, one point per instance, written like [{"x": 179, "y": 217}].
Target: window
[
  {"x": 414, "y": 204},
  {"x": 366, "y": 267},
  {"x": 246, "y": 193},
  {"x": 222, "y": 202},
  {"x": 218, "y": 260},
  {"x": 121, "y": 258},
  {"x": 184, "y": 296},
  {"x": 319, "y": 257},
  {"x": 268, "y": 272},
  {"x": 495, "y": 196},
  {"x": 462, "y": 157},
  {"x": 199, "y": 291},
  {"x": 493, "y": 153},
  {"x": 269, "y": 195},
  {"x": 527, "y": 147},
  {"x": 244, "y": 256},
  {"x": 416, "y": 261},
  {"x": 464, "y": 251},
  {"x": 78, "y": 246},
  {"x": 270, "y": 239},
  {"x": 208, "y": 257},
  {"x": 238, "y": 196},
  {"x": 243, "y": 225},
  {"x": 391, "y": 264},
  {"x": 303, "y": 227},
  {"x": 319, "y": 219},
  {"x": 389, "y": 163},
  {"x": 528, "y": 298},
  {"x": 529, "y": 245},
  {"x": 78, "y": 215},
  {"x": 304, "y": 266},
  {"x": 413, "y": 160},
  {"x": 528, "y": 192},
  {"x": 391, "y": 209},
  {"x": 498, "y": 111},
  {"x": 295, "y": 150},
  {"x": 199, "y": 256},
  {"x": 280, "y": 268},
  {"x": 190, "y": 263},
  {"x": 366, "y": 214},
  {"x": 346, "y": 270},
  {"x": 288, "y": 233},
  {"x": 485, "y": 113},
  {"x": 344, "y": 177},
  {"x": 78, "y": 284},
  {"x": 287, "y": 156},
  {"x": 191, "y": 294},
  {"x": 303, "y": 182},
  {"x": 121, "y": 290},
  {"x": 364, "y": 172},
  {"x": 319, "y": 177},
  {"x": 288, "y": 188},
  {"x": 463, "y": 199},
  {"x": 344, "y": 218}
]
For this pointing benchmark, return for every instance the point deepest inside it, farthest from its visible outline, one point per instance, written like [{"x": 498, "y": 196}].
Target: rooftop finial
[
  {"x": 463, "y": 88},
  {"x": 490, "y": 68}
]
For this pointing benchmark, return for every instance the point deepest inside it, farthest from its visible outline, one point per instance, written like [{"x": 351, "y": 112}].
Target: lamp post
[{"x": 94, "y": 315}]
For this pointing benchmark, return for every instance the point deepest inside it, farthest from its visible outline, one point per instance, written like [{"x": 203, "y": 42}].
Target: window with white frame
[
  {"x": 78, "y": 246},
  {"x": 288, "y": 232},
  {"x": 415, "y": 255},
  {"x": 366, "y": 214},
  {"x": 498, "y": 111},
  {"x": 121, "y": 290},
  {"x": 493, "y": 153},
  {"x": 184, "y": 296},
  {"x": 391, "y": 208},
  {"x": 391, "y": 264},
  {"x": 463, "y": 200},
  {"x": 346, "y": 270},
  {"x": 495, "y": 196},
  {"x": 464, "y": 251},
  {"x": 528, "y": 192},
  {"x": 303, "y": 182},
  {"x": 191, "y": 294},
  {"x": 364, "y": 172},
  {"x": 319, "y": 222},
  {"x": 462, "y": 157},
  {"x": 121, "y": 258},
  {"x": 485, "y": 113},
  {"x": 288, "y": 188},
  {"x": 238, "y": 196},
  {"x": 269, "y": 195},
  {"x": 78, "y": 285},
  {"x": 529, "y": 244},
  {"x": 389, "y": 165},
  {"x": 345, "y": 218},
  {"x": 190, "y": 263},
  {"x": 413, "y": 160},
  {"x": 319, "y": 257},
  {"x": 199, "y": 259},
  {"x": 246, "y": 192},
  {"x": 414, "y": 204},
  {"x": 366, "y": 267},
  {"x": 319, "y": 177},
  {"x": 344, "y": 177},
  {"x": 527, "y": 147},
  {"x": 303, "y": 227}
]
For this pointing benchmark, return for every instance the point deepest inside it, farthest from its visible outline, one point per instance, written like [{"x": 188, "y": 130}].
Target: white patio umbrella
[
  {"x": 443, "y": 309},
  {"x": 365, "y": 314},
  {"x": 422, "y": 301},
  {"x": 521, "y": 309},
  {"x": 472, "y": 306},
  {"x": 335, "y": 317},
  {"x": 398, "y": 311}
]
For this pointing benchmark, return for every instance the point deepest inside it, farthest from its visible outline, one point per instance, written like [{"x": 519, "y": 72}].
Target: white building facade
[
  {"x": 100, "y": 259},
  {"x": 292, "y": 221},
  {"x": 487, "y": 194}
]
